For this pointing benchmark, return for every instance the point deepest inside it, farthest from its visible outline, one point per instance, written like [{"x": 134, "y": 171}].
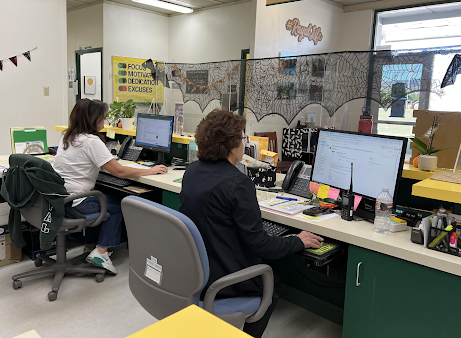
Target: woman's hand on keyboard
[
  {"x": 158, "y": 169},
  {"x": 310, "y": 240}
]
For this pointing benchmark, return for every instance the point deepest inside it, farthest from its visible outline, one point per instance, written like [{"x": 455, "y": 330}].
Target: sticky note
[
  {"x": 357, "y": 200},
  {"x": 110, "y": 133},
  {"x": 323, "y": 191},
  {"x": 192, "y": 145},
  {"x": 333, "y": 193},
  {"x": 314, "y": 187}
]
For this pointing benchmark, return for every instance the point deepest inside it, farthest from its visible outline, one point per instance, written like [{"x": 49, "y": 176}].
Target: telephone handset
[
  {"x": 128, "y": 151},
  {"x": 297, "y": 179}
]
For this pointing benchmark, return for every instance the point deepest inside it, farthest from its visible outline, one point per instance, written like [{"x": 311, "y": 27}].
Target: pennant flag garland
[
  {"x": 27, "y": 55},
  {"x": 14, "y": 59}
]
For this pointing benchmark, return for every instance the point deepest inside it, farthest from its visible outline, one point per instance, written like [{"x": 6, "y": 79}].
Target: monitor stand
[
  {"x": 161, "y": 159},
  {"x": 366, "y": 209}
]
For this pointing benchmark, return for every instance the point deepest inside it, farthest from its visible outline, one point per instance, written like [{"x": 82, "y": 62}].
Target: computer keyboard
[
  {"x": 109, "y": 179},
  {"x": 274, "y": 228}
]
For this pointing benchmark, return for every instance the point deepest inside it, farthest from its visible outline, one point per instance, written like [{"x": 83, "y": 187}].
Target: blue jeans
[{"x": 111, "y": 229}]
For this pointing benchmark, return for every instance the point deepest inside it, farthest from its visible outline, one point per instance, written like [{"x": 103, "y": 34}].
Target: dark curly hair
[{"x": 218, "y": 133}]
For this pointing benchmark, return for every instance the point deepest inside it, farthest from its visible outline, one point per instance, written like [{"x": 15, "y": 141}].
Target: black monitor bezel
[
  {"x": 157, "y": 149},
  {"x": 401, "y": 164}
]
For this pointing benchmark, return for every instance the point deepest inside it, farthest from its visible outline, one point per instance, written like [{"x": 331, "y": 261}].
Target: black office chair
[{"x": 61, "y": 265}]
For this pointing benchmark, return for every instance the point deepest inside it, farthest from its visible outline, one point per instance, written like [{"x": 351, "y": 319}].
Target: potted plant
[
  {"x": 122, "y": 111},
  {"x": 427, "y": 160},
  {"x": 127, "y": 115}
]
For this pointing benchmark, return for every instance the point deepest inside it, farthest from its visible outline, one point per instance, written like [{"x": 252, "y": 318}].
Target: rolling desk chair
[
  {"x": 61, "y": 265},
  {"x": 169, "y": 267}
]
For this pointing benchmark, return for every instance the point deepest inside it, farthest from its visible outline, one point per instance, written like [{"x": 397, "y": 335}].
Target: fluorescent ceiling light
[{"x": 165, "y": 5}]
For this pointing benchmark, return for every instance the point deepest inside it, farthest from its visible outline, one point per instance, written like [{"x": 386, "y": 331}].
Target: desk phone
[
  {"x": 128, "y": 151},
  {"x": 297, "y": 179}
]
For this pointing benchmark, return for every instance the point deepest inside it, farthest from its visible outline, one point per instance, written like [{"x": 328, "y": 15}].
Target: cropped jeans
[{"x": 110, "y": 229}]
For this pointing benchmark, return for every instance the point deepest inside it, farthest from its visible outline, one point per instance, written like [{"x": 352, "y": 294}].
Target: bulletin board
[
  {"x": 447, "y": 135},
  {"x": 132, "y": 81}
]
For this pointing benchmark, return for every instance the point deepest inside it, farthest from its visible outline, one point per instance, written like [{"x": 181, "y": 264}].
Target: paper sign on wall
[{"x": 131, "y": 80}]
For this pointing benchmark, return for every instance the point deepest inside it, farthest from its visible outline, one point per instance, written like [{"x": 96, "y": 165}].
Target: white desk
[{"x": 361, "y": 234}]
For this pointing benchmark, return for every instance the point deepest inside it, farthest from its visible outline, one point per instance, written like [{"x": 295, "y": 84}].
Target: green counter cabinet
[{"x": 389, "y": 297}]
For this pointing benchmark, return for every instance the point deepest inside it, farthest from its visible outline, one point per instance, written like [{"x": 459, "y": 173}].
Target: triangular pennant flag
[
  {"x": 1, "y": 65},
  {"x": 27, "y": 55},
  {"x": 14, "y": 59}
]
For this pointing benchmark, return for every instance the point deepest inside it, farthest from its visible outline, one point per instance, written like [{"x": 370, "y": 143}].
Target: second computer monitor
[
  {"x": 154, "y": 132},
  {"x": 378, "y": 161}
]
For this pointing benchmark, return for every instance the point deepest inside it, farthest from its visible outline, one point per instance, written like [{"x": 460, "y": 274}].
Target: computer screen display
[
  {"x": 154, "y": 132},
  {"x": 378, "y": 161}
]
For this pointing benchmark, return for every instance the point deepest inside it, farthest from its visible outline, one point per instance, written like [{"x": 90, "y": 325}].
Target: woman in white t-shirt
[{"x": 81, "y": 154}]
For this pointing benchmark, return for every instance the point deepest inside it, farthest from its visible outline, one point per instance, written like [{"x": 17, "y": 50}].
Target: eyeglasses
[{"x": 245, "y": 139}]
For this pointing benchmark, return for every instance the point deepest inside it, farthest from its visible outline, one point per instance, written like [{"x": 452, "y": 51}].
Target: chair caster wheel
[
  {"x": 52, "y": 296},
  {"x": 99, "y": 278},
  {"x": 38, "y": 262},
  {"x": 17, "y": 284}
]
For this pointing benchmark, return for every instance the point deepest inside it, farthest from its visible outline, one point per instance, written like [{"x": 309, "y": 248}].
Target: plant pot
[
  {"x": 427, "y": 162},
  {"x": 127, "y": 123}
]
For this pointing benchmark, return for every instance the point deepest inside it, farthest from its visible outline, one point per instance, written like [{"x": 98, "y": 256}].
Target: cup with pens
[{"x": 444, "y": 234}]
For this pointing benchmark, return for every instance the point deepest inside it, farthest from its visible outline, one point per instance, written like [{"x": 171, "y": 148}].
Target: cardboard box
[
  {"x": 447, "y": 134},
  {"x": 8, "y": 252}
]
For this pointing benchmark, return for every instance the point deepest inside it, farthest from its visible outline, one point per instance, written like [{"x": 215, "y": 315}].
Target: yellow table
[
  {"x": 191, "y": 322},
  {"x": 176, "y": 138},
  {"x": 438, "y": 190}
]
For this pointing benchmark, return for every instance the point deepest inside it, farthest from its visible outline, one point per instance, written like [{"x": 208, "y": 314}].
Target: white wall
[
  {"x": 27, "y": 24},
  {"x": 217, "y": 34},
  {"x": 132, "y": 33},
  {"x": 271, "y": 36},
  {"x": 212, "y": 35},
  {"x": 84, "y": 28}
]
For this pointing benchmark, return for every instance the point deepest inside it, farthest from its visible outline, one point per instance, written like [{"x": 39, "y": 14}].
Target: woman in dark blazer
[{"x": 222, "y": 203}]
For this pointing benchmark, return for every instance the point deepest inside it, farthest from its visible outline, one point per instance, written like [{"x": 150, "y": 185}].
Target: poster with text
[{"x": 132, "y": 81}]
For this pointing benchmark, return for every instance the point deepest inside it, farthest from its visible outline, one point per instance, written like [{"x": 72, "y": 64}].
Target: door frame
[{"x": 78, "y": 54}]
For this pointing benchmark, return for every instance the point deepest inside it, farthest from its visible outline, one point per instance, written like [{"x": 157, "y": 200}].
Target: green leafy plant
[
  {"x": 428, "y": 149},
  {"x": 120, "y": 110},
  {"x": 128, "y": 109}
]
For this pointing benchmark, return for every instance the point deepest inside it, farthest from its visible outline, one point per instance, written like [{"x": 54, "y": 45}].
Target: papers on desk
[
  {"x": 135, "y": 165},
  {"x": 317, "y": 218},
  {"x": 284, "y": 206}
]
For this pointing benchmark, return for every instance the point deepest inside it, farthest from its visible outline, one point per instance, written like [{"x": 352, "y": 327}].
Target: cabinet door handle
[{"x": 358, "y": 274}]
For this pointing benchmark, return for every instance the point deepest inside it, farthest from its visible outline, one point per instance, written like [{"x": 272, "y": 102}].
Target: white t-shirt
[{"x": 79, "y": 165}]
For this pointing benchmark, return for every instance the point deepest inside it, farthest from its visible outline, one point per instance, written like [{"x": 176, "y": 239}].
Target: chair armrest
[
  {"x": 102, "y": 203},
  {"x": 263, "y": 270}
]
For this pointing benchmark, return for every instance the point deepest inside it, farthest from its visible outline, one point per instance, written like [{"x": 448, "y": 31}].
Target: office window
[{"x": 411, "y": 28}]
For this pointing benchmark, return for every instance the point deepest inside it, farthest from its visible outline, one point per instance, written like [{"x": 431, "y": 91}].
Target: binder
[{"x": 28, "y": 140}]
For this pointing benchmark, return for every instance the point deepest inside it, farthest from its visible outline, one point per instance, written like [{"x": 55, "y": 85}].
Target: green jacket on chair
[{"x": 27, "y": 177}]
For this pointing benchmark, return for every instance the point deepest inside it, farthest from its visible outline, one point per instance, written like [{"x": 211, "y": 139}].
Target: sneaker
[{"x": 101, "y": 260}]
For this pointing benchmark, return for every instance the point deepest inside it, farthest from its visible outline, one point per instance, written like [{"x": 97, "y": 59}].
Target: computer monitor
[
  {"x": 154, "y": 132},
  {"x": 378, "y": 162}
]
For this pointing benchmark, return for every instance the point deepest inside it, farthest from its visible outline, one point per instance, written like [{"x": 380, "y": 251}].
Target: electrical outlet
[{"x": 46, "y": 91}]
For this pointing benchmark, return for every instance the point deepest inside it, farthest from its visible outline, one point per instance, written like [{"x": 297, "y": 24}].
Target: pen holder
[
  {"x": 439, "y": 240},
  {"x": 263, "y": 177}
]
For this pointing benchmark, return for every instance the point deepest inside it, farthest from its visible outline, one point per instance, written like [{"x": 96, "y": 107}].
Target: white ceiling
[{"x": 194, "y": 4}]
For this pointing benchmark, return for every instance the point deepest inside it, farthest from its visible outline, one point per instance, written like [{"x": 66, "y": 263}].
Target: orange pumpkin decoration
[
  {"x": 120, "y": 124},
  {"x": 416, "y": 161}
]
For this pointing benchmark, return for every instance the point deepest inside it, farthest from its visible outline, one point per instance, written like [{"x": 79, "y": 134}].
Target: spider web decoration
[
  {"x": 285, "y": 86},
  {"x": 205, "y": 82}
]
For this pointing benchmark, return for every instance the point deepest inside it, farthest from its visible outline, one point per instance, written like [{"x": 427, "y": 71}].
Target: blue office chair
[{"x": 169, "y": 267}]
